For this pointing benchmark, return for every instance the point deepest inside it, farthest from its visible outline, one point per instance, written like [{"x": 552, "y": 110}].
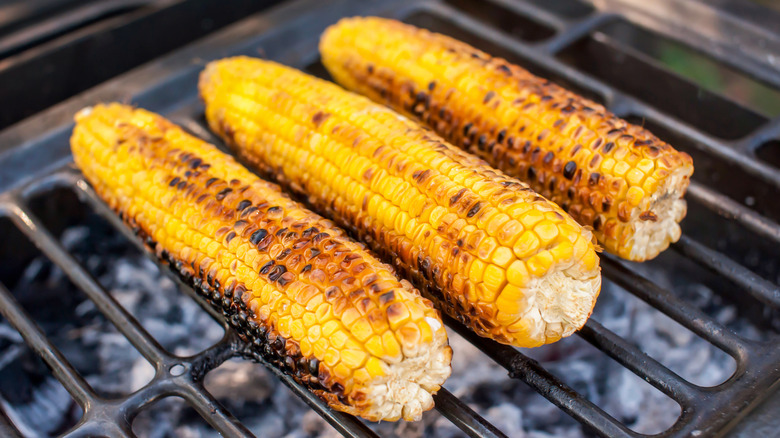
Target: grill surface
[{"x": 737, "y": 215}]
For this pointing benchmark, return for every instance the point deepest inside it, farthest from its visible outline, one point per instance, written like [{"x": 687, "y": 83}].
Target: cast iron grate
[{"x": 34, "y": 162}]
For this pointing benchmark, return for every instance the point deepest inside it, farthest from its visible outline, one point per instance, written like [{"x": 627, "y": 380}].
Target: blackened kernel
[
  {"x": 466, "y": 129},
  {"x": 457, "y": 196},
  {"x": 181, "y": 185},
  {"x": 306, "y": 268},
  {"x": 266, "y": 267},
  {"x": 531, "y": 173},
  {"x": 222, "y": 193},
  {"x": 431, "y": 85},
  {"x": 195, "y": 163},
  {"x": 501, "y": 135},
  {"x": 174, "y": 181},
  {"x": 548, "y": 157},
  {"x": 276, "y": 272},
  {"x": 569, "y": 169},
  {"x": 482, "y": 141},
  {"x": 230, "y": 236},
  {"x": 314, "y": 366},
  {"x": 211, "y": 181},
  {"x": 593, "y": 179},
  {"x": 248, "y": 211},
  {"x": 274, "y": 209},
  {"x": 309, "y": 231},
  {"x": 257, "y": 236},
  {"x": 283, "y": 255},
  {"x": 609, "y": 146},
  {"x": 490, "y": 94},
  {"x": 474, "y": 210},
  {"x": 243, "y": 205}
]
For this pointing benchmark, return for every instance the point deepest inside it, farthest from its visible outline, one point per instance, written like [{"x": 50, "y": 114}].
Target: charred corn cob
[
  {"x": 615, "y": 177},
  {"x": 493, "y": 253},
  {"x": 316, "y": 303}
]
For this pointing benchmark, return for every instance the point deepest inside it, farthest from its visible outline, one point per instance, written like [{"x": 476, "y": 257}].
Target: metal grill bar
[
  {"x": 464, "y": 417},
  {"x": 685, "y": 314},
  {"x": 13, "y": 313},
  {"x": 763, "y": 290},
  {"x": 729, "y": 209},
  {"x": 637, "y": 361},
  {"x": 51, "y": 248},
  {"x": 298, "y": 25},
  {"x": 531, "y": 372}
]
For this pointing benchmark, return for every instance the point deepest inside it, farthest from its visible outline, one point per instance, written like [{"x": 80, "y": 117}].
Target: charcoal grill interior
[{"x": 730, "y": 237}]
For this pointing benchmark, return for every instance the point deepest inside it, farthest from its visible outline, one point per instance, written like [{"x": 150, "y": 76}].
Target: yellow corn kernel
[
  {"x": 518, "y": 274},
  {"x": 353, "y": 358},
  {"x": 494, "y": 277},
  {"x": 527, "y": 244}
]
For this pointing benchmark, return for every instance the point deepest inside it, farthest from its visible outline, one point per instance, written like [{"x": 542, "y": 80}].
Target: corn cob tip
[{"x": 657, "y": 221}]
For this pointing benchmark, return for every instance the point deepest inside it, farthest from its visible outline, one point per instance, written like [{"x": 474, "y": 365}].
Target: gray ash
[{"x": 41, "y": 407}]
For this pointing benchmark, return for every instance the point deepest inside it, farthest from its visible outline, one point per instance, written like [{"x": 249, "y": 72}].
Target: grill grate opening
[
  {"x": 609, "y": 55},
  {"x": 91, "y": 343},
  {"x": 770, "y": 153},
  {"x": 16, "y": 253},
  {"x": 509, "y": 404},
  {"x": 171, "y": 416},
  {"x": 436, "y": 23},
  {"x": 509, "y": 21},
  {"x": 740, "y": 245},
  {"x": 676, "y": 347},
  {"x": 713, "y": 295},
  {"x": 608, "y": 385},
  {"x": 129, "y": 275},
  {"x": 260, "y": 401},
  {"x": 27, "y": 385},
  {"x": 719, "y": 172}
]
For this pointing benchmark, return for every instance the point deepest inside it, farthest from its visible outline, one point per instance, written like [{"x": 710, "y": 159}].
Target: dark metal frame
[{"x": 289, "y": 34}]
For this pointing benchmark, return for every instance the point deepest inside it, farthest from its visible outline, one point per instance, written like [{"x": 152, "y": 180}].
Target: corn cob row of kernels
[
  {"x": 617, "y": 178},
  {"x": 493, "y": 253},
  {"x": 313, "y": 301}
]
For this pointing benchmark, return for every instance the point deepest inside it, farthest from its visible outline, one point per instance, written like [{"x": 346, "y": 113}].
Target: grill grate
[{"x": 289, "y": 34}]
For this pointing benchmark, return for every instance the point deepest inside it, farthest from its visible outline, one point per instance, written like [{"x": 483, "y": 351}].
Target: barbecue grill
[{"x": 607, "y": 51}]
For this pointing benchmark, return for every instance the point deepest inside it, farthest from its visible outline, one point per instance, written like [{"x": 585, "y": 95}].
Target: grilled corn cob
[
  {"x": 610, "y": 175},
  {"x": 315, "y": 302},
  {"x": 494, "y": 254}
]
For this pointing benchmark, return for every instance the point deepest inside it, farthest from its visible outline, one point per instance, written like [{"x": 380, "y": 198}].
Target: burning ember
[{"x": 40, "y": 406}]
